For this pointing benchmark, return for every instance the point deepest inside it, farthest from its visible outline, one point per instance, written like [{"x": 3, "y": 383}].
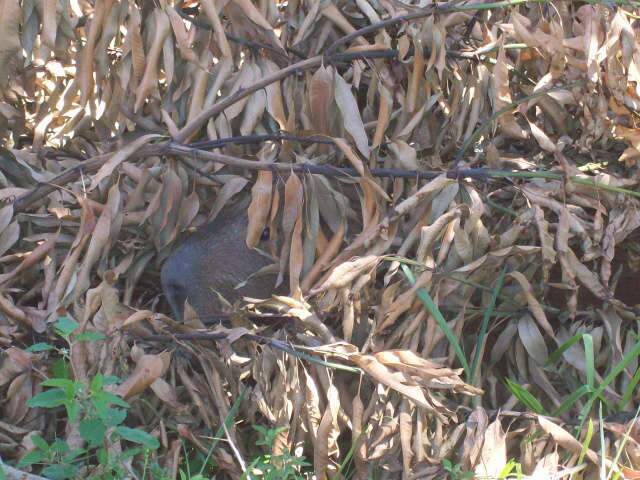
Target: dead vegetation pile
[{"x": 462, "y": 264}]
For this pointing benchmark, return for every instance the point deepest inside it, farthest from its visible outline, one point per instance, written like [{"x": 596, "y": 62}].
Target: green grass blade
[
  {"x": 571, "y": 399},
  {"x": 557, "y": 354},
  {"x": 529, "y": 401},
  {"x": 586, "y": 442},
  {"x": 227, "y": 422},
  {"x": 433, "y": 309},
  {"x": 630, "y": 390},
  {"x": 485, "y": 322},
  {"x": 589, "y": 360},
  {"x": 603, "y": 453},
  {"x": 629, "y": 357},
  {"x": 349, "y": 457}
]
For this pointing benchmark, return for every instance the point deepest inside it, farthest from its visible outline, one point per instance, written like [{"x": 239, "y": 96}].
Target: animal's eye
[{"x": 265, "y": 234}]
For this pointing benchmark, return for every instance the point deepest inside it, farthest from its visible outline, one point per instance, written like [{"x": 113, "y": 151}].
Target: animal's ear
[{"x": 191, "y": 317}]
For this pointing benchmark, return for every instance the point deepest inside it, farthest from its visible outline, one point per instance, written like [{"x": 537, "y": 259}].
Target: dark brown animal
[{"x": 215, "y": 261}]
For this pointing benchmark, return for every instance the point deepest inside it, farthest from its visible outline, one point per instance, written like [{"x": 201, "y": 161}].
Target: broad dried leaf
[
  {"x": 321, "y": 92},
  {"x": 351, "y": 115},
  {"x": 149, "y": 368},
  {"x": 493, "y": 456}
]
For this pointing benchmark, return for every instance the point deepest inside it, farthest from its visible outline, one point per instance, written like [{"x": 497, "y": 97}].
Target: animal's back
[{"x": 215, "y": 259}]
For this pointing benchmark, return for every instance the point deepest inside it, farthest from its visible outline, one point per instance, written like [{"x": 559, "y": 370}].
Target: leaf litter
[{"x": 481, "y": 138}]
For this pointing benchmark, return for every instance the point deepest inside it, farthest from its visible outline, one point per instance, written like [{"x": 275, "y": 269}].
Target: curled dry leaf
[
  {"x": 503, "y": 98},
  {"x": 412, "y": 376},
  {"x": 149, "y": 81},
  {"x": 345, "y": 273},
  {"x": 148, "y": 369},
  {"x": 534, "y": 305},
  {"x": 568, "y": 441},
  {"x": 14, "y": 361},
  {"x": 32, "y": 258},
  {"x": 259, "y": 208}
]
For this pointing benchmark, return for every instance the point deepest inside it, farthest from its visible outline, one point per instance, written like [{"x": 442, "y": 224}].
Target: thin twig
[
  {"x": 72, "y": 174},
  {"x": 24, "y": 201},
  {"x": 454, "y": 173},
  {"x": 267, "y": 137},
  {"x": 327, "y": 170},
  {"x": 277, "y": 344},
  {"x": 432, "y": 9},
  {"x": 198, "y": 170}
]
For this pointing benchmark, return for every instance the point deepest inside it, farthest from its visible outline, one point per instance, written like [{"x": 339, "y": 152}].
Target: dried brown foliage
[{"x": 102, "y": 87}]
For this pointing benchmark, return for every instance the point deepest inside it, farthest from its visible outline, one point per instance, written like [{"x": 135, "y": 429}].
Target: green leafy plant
[
  {"x": 454, "y": 470},
  {"x": 512, "y": 469},
  {"x": 274, "y": 467},
  {"x": 100, "y": 415}
]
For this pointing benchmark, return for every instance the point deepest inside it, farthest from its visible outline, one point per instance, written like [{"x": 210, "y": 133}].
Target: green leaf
[
  {"x": 40, "y": 347},
  {"x": 65, "y": 326},
  {"x": 97, "y": 383},
  {"x": 531, "y": 402},
  {"x": 132, "y": 452},
  {"x": 569, "y": 401},
  {"x": 63, "y": 383},
  {"x": 507, "y": 469},
  {"x": 111, "y": 380},
  {"x": 229, "y": 419},
  {"x": 433, "y": 309},
  {"x": 630, "y": 391},
  {"x": 59, "y": 447},
  {"x": 113, "y": 416},
  {"x": 60, "y": 369},
  {"x": 90, "y": 337},
  {"x": 40, "y": 442},
  {"x": 60, "y": 471},
  {"x": 110, "y": 399},
  {"x": 485, "y": 322},
  {"x": 629, "y": 357},
  {"x": 589, "y": 359},
  {"x": 93, "y": 430},
  {"x": 586, "y": 442},
  {"x": 48, "y": 399},
  {"x": 103, "y": 456},
  {"x": 73, "y": 410},
  {"x": 555, "y": 356},
  {"x": 73, "y": 454},
  {"x": 34, "y": 456},
  {"x": 136, "y": 435}
]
